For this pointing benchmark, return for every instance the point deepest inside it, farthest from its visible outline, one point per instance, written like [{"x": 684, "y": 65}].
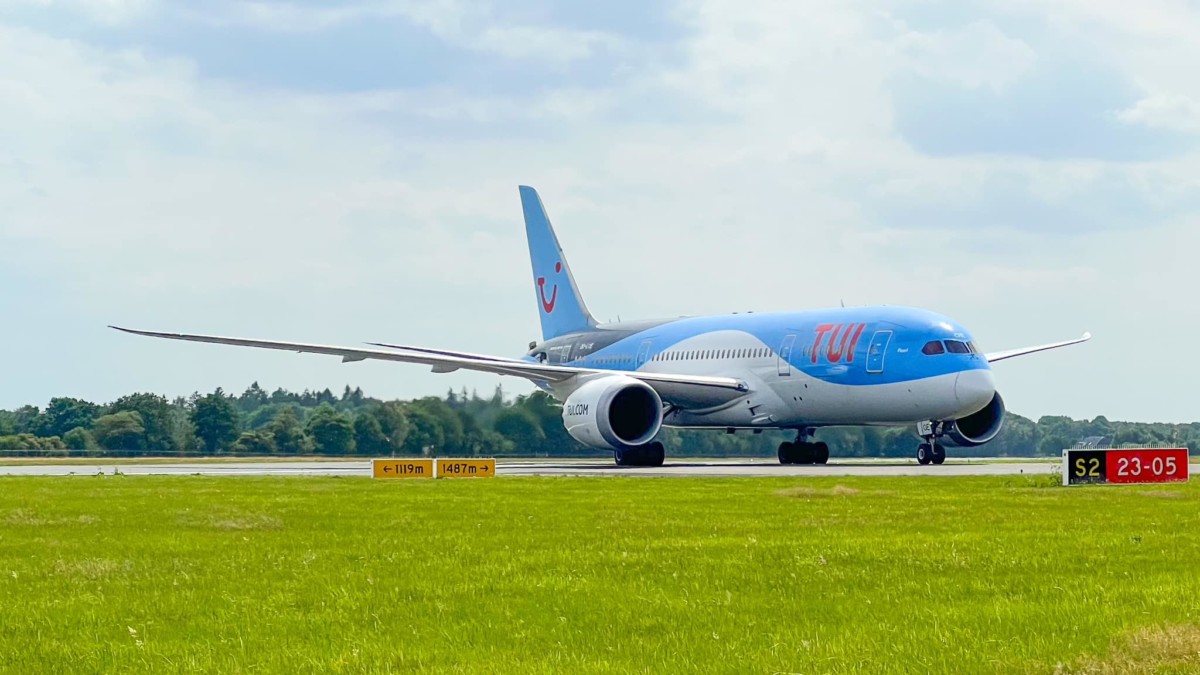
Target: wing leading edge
[
  {"x": 1008, "y": 354},
  {"x": 668, "y": 385}
]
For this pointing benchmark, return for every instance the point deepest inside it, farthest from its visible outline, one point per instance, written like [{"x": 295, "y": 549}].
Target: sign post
[{"x": 1125, "y": 466}]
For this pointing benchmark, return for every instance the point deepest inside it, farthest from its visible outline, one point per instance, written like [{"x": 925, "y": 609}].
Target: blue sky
[{"x": 347, "y": 172}]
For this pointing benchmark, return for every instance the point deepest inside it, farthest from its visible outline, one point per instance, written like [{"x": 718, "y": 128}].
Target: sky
[{"x": 343, "y": 172}]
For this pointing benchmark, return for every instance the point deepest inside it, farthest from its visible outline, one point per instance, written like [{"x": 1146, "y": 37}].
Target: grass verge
[{"x": 989, "y": 574}]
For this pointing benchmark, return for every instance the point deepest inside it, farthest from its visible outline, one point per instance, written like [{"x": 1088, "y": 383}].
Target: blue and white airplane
[{"x": 620, "y": 383}]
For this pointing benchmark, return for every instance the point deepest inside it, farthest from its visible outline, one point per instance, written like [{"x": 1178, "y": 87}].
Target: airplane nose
[{"x": 974, "y": 388}]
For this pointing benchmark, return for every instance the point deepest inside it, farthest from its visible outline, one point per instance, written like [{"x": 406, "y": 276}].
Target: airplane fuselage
[{"x": 861, "y": 365}]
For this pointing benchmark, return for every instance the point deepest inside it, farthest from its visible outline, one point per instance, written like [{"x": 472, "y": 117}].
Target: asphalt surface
[{"x": 744, "y": 468}]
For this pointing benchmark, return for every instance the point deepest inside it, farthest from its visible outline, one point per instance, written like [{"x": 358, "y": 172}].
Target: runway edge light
[
  {"x": 466, "y": 468},
  {"x": 402, "y": 468},
  {"x": 1124, "y": 466}
]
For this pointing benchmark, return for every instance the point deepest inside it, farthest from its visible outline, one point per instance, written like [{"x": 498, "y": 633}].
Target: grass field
[{"x": 571, "y": 575}]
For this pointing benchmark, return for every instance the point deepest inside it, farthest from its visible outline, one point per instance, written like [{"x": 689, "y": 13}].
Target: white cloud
[
  {"x": 475, "y": 26},
  {"x": 158, "y": 197},
  {"x": 976, "y": 55},
  {"x": 110, "y": 12},
  {"x": 1166, "y": 111}
]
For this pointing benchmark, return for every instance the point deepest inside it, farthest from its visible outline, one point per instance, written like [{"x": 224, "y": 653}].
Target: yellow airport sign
[
  {"x": 466, "y": 468},
  {"x": 402, "y": 468}
]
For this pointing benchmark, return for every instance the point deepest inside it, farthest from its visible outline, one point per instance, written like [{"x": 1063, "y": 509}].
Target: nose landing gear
[
  {"x": 930, "y": 451},
  {"x": 933, "y": 453}
]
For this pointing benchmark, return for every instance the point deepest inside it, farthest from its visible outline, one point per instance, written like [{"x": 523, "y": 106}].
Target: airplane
[{"x": 621, "y": 383}]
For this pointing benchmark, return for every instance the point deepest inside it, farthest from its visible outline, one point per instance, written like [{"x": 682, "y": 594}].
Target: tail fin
[{"x": 560, "y": 306}]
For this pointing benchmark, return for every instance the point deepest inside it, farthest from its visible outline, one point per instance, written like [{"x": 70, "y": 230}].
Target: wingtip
[
  {"x": 131, "y": 331},
  {"x": 1087, "y": 335}
]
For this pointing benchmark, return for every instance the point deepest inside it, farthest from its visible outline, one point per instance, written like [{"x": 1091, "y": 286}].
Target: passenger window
[
  {"x": 932, "y": 348},
  {"x": 956, "y": 347}
]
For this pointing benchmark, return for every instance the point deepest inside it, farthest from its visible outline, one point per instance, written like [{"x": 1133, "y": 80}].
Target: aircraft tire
[
  {"x": 923, "y": 454},
  {"x": 938, "y": 454},
  {"x": 654, "y": 454},
  {"x": 821, "y": 453},
  {"x": 787, "y": 453}
]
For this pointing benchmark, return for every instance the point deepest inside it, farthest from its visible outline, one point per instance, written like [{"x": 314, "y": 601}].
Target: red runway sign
[{"x": 1135, "y": 465}]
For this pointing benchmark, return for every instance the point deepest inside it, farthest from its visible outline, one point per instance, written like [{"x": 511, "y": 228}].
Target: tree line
[{"x": 458, "y": 424}]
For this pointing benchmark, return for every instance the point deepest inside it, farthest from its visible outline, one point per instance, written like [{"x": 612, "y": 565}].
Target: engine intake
[
  {"x": 979, "y": 427},
  {"x": 614, "y": 412}
]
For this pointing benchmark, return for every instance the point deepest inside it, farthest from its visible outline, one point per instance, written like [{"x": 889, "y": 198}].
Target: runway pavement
[{"x": 712, "y": 468}]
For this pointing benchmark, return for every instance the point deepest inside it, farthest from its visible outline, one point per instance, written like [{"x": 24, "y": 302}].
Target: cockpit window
[
  {"x": 932, "y": 348},
  {"x": 957, "y": 347}
]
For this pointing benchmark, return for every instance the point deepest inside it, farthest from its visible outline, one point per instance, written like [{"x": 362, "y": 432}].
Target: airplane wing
[
  {"x": 679, "y": 389},
  {"x": 1000, "y": 356},
  {"x": 447, "y": 352}
]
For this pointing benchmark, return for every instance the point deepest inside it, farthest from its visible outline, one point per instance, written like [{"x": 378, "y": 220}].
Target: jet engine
[
  {"x": 977, "y": 428},
  {"x": 616, "y": 412}
]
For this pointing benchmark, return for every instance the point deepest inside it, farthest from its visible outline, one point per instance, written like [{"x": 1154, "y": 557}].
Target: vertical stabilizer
[{"x": 560, "y": 306}]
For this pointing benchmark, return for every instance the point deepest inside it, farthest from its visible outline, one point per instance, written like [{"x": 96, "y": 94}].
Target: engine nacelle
[
  {"x": 977, "y": 428},
  {"x": 614, "y": 412}
]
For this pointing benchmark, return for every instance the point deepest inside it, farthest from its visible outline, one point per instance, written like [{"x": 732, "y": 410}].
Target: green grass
[{"x": 573, "y": 575}]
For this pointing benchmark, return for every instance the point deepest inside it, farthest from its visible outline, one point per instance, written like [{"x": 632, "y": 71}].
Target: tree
[
  {"x": 354, "y": 398},
  {"x": 29, "y": 419},
  {"x": 520, "y": 426},
  {"x": 216, "y": 422},
  {"x": 120, "y": 431},
  {"x": 253, "y": 398},
  {"x": 255, "y": 443},
  {"x": 156, "y": 417},
  {"x": 488, "y": 443},
  {"x": 549, "y": 416},
  {"x": 287, "y": 433},
  {"x": 368, "y": 436},
  {"x": 425, "y": 433},
  {"x": 451, "y": 433},
  {"x": 393, "y": 422},
  {"x": 331, "y": 431},
  {"x": 64, "y": 414},
  {"x": 80, "y": 439}
]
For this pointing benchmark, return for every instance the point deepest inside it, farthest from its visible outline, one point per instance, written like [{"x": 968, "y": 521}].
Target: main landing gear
[
  {"x": 651, "y": 454},
  {"x": 930, "y": 451},
  {"x": 803, "y": 452}
]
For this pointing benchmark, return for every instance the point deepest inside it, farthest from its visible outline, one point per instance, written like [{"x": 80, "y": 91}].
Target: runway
[{"x": 710, "y": 468}]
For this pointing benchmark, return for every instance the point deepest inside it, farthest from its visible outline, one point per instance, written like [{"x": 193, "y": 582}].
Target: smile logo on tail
[{"x": 548, "y": 305}]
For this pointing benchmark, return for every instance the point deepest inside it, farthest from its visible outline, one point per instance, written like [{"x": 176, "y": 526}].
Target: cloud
[
  {"x": 748, "y": 158},
  {"x": 108, "y": 12},
  {"x": 1165, "y": 111},
  {"x": 976, "y": 55},
  {"x": 476, "y": 26}
]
